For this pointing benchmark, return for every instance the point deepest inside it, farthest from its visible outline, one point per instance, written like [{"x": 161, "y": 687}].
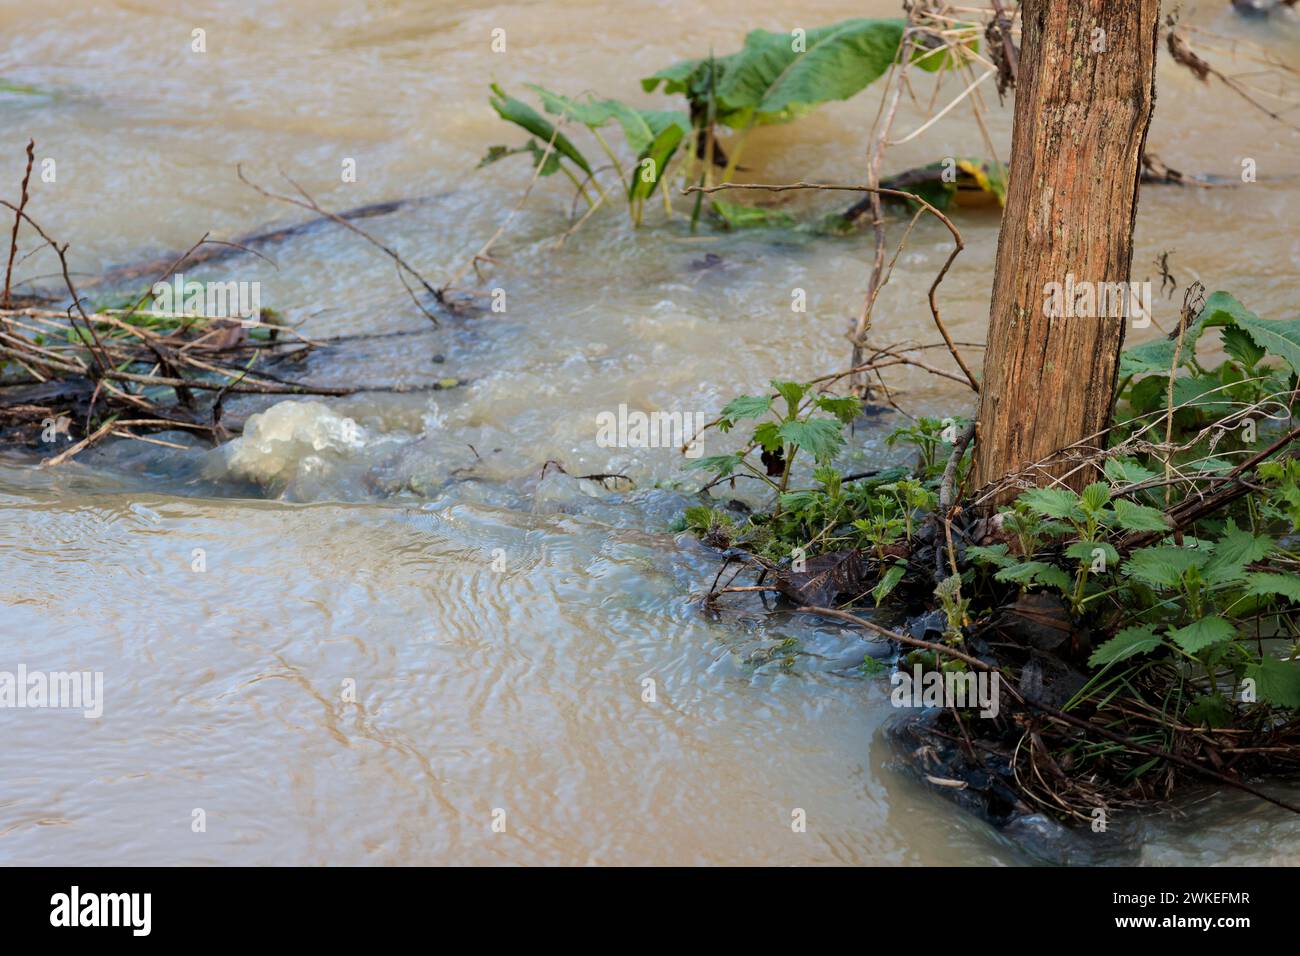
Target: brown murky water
[{"x": 351, "y": 678}]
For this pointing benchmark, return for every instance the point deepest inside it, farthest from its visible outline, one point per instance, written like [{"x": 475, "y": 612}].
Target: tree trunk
[{"x": 1084, "y": 93}]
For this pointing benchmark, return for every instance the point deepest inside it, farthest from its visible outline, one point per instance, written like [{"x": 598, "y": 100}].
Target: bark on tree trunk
[{"x": 1084, "y": 95}]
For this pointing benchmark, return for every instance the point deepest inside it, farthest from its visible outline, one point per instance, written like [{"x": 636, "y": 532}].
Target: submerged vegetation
[
  {"x": 1145, "y": 629},
  {"x": 774, "y": 78}
]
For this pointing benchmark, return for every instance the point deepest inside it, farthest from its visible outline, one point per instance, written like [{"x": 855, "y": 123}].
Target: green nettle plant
[
  {"x": 774, "y": 78},
  {"x": 1169, "y": 627}
]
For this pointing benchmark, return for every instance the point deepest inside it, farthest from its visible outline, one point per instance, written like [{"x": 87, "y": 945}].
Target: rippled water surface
[{"x": 402, "y": 627}]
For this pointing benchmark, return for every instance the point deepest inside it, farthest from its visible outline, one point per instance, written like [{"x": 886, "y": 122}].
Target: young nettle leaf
[
  {"x": 995, "y": 554},
  {"x": 1127, "y": 643},
  {"x": 1239, "y": 344},
  {"x": 1053, "y": 502},
  {"x": 792, "y": 392},
  {"x": 845, "y": 409},
  {"x": 1087, "y": 552},
  {"x": 829, "y": 478},
  {"x": 1281, "y": 338},
  {"x": 1277, "y": 682},
  {"x": 1212, "y": 710},
  {"x": 724, "y": 465},
  {"x": 745, "y": 406},
  {"x": 1054, "y": 577},
  {"x": 1268, "y": 583},
  {"x": 768, "y": 435},
  {"x": 1135, "y": 517},
  {"x": 1206, "y": 632},
  {"x": 1127, "y": 471},
  {"x": 1094, "y": 498},
  {"x": 1022, "y": 573},
  {"x": 1233, "y": 552},
  {"x": 820, "y": 437},
  {"x": 1163, "y": 566}
]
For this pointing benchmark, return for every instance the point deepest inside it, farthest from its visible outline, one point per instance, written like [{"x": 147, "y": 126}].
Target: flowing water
[{"x": 371, "y": 627}]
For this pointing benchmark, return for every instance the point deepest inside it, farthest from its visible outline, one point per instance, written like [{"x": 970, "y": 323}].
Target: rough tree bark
[{"x": 1084, "y": 94}]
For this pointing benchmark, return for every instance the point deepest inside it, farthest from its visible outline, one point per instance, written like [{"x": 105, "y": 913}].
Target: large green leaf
[
  {"x": 1277, "y": 682},
  {"x": 521, "y": 114},
  {"x": 1052, "y": 502},
  {"x": 1135, "y": 517},
  {"x": 646, "y": 175},
  {"x": 820, "y": 437},
  {"x": 1220, "y": 309},
  {"x": 769, "y": 82},
  {"x": 1280, "y": 338},
  {"x": 640, "y": 127},
  {"x": 1206, "y": 632},
  {"x": 1163, "y": 566},
  {"x": 1236, "y": 549},
  {"x": 1263, "y": 583},
  {"x": 1127, "y": 643}
]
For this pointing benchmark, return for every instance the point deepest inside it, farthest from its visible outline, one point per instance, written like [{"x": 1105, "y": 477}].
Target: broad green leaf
[
  {"x": 643, "y": 127},
  {"x": 653, "y": 161},
  {"x": 588, "y": 112},
  {"x": 744, "y": 406},
  {"x": 1128, "y": 471},
  {"x": 1163, "y": 566},
  {"x": 1052, "y": 576},
  {"x": 889, "y": 581},
  {"x": 1134, "y": 517},
  {"x": 993, "y": 554},
  {"x": 738, "y": 216},
  {"x": 1212, "y": 710},
  {"x": 1202, "y": 394},
  {"x": 1239, "y": 344},
  {"x": 792, "y": 392},
  {"x": 1236, "y": 549},
  {"x": 1263, "y": 583},
  {"x": 1277, "y": 682},
  {"x": 1052, "y": 502},
  {"x": 1022, "y": 573},
  {"x": 820, "y": 437},
  {"x": 1278, "y": 337},
  {"x": 1127, "y": 643},
  {"x": 768, "y": 434},
  {"x": 640, "y": 127},
  {"x": 1095, "y": 496},
  {"x": 1085, "y": 553},
  {"x": 724, "y": 465},
  {"x": 1194, "y": 638},
  {"x": 521, "y": 114},
  {"x": 769, "y": 82},
  {"x": 845, "y": 409},
  {"x": 1220, "y": 309}
]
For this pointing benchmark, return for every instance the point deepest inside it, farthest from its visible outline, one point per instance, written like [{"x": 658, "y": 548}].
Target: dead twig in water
[
  {"x": 308, "y": 202},
  {"x": 18, "y": 218}
]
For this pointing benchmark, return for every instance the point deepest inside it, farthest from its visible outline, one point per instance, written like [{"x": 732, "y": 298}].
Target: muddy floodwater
[{"x": 370, "y": 628}]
